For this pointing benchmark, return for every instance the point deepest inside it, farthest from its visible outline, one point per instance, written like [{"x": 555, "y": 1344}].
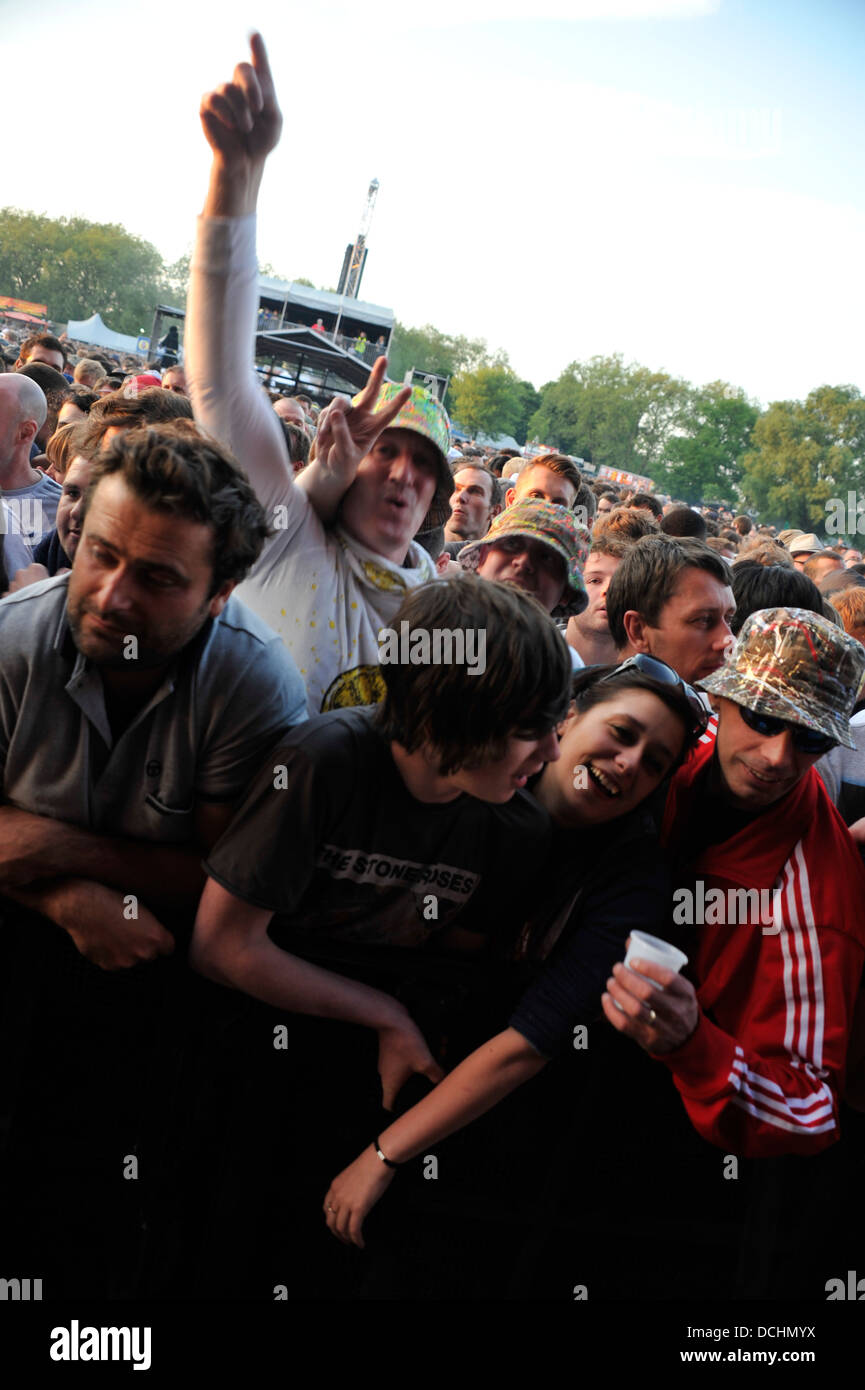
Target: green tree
[
  {"x": 77, "y": 268},
  {"x": 428, "y": 350},
  {"x": 610, "y": 413},
  {"x": 529, "y": 400},
  {"x": 487, "y": 401},
  {"x": 175, "y": 282},
  {"x": 703, "y": 454},
  {"x": 803, "y": 455}
]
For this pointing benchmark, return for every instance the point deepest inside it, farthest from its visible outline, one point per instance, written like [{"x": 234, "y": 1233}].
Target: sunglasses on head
[
  {"x": 804, "y": 740},
  {"x": 661, "y": 672}
]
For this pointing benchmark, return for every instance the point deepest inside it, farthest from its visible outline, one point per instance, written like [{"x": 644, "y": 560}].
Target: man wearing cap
[
  {"x": 757, "y": 1045},
  {"x": 326, "y": 589},
  {"x": 538, "y": 547},
  {"x": 803, "y": 547}
]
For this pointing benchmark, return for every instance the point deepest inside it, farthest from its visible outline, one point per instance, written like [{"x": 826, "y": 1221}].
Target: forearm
[
  {"x": 222, "y": 313},
  {"x": 265, "y": 971},
  {"x": 55, "y": 850},
  {"x": 233, "y": 188},
  {"x": 492, "y": 1072},
  {"x": 324, "y": 488},
  {"x": 45, "y": 897}
]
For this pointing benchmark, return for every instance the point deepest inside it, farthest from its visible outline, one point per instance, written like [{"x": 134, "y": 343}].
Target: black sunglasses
[
  {"x": 805, "y": 740},
  {"x": 660, "y": 671}
]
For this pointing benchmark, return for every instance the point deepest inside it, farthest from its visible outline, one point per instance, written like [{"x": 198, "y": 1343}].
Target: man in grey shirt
[
  {"x": 32, "y": 497},
  {"x": 138, "y": 697}
]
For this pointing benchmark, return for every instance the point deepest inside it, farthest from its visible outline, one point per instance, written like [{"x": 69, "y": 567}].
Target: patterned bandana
[
  {"x": 555, "y": 527},
  {"x": 791, "y": 664}
]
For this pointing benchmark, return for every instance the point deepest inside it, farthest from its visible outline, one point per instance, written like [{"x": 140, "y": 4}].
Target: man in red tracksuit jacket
[{"x": 757, "y": 1044}]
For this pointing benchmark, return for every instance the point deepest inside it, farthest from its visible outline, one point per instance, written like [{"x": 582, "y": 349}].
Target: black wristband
[{"x": 389, "y": 1161}]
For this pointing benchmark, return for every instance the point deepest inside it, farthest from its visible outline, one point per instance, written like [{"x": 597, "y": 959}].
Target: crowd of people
[{"x": 341, "y": 767}]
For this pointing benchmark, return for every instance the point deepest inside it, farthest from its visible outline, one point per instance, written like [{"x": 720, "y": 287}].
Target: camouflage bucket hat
[
  {"x": 426, "y": 415},
  {"x": 553, "y": 526},
  {"x": 795, "y": 665}
]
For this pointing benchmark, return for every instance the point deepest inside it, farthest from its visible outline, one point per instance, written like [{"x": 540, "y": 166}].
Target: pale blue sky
[{"x": 682, "y": 182}]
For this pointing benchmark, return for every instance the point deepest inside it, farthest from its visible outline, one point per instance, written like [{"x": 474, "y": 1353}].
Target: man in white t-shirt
[{"x": 342, "y": 555}]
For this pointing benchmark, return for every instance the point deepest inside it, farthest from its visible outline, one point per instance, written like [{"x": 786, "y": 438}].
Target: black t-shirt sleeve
[
  {"x": 615, "y": 902},
  {"x": 267, "y": 855}
]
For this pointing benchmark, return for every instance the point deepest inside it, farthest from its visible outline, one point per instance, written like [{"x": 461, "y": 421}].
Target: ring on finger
[{"x": 652, "y": 1016}]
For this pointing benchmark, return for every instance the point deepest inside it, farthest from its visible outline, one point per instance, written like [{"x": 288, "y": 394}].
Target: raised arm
[{"x": 242, "y": 123}]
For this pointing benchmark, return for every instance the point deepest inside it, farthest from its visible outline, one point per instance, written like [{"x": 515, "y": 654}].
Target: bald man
[
  {"x": 30, "y": 495},
  {"x": 291, "y": 410}
]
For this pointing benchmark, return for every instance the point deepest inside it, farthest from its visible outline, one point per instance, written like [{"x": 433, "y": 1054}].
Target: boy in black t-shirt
[{"x": 404, "y": 826}]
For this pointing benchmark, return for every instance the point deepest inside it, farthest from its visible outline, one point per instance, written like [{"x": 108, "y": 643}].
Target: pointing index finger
[{"x": 261, "y": 64}]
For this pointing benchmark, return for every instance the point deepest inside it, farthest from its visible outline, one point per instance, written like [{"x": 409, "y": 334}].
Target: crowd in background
[{"x": 341, "y": 762}]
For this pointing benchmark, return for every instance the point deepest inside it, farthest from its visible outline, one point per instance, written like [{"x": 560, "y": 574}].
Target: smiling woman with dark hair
[{"x": 629, "y": 727}]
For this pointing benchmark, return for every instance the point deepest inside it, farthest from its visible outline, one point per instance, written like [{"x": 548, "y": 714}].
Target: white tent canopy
[{"x": 94, "y": 331}]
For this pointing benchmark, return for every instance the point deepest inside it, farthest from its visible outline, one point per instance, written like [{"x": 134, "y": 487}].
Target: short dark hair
[
  {"x": 586, "y": 499},
  {"x": 53, "y": 384},
  {"x": 467, "y": 720},
  {"x": 497, "y": 461},
  {"x": 649, "y": 502},
  {"x": 743, "y": 524},
  {"x": 174, "y": 469},
  {"x": 296, "y": 441},
  {"x": 683, "y": 521},
  {"x": 83, "y": 397},
  {"x": 432, "y": 541},
  {"x": 648, "y": 574},
  {"x": 757, "y": 586},
  {"x": 46, "y": 340}
]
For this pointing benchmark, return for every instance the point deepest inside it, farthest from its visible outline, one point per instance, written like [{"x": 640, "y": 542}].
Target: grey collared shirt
[{"x": 228, "y": 697}]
